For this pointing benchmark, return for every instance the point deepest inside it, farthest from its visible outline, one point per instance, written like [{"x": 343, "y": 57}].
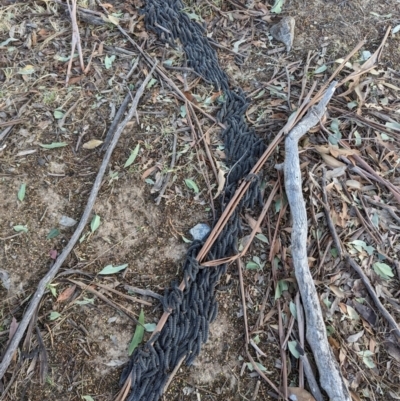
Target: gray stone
[
  {"x": 67, "y": 221},
  {"x": 200, "y": 231},
  {"x": 283, "y": 31}
]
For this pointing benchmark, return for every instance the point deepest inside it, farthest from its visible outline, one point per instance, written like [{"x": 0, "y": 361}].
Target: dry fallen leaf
[
  {"x": 353, "y": 184},
  {"x": 300, "y": 394},
  {"x": 66, "y": 294},
  {"x": 331, "y": 161},
  {"x": 93, "y": 143},
  {"x": 252, "y": 223},
  {"x": 13, "y": 328},
  {"x": 221, "y": 181},
  {"x": 354, "y": 337}
]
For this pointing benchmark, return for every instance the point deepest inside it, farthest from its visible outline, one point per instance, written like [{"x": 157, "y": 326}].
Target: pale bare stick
[
  {"x": 329, "y": 372},
  {"x": 75, "y": 237}
]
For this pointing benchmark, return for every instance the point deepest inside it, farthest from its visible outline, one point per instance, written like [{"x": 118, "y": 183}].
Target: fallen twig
[
  {"x": 168, "y": 176},
  {"x": 372, "y": 293},
  {"x": 330, "y": 375},
  {"x": 76, "y": 40},
  {"x": 75, "y": 237}
]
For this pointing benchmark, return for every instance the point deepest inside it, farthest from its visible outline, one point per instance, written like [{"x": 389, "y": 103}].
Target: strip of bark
[{"x": 329, "y": 372}]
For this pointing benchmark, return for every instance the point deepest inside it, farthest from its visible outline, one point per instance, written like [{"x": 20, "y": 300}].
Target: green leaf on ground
[
  {"x": 54, "y": 315},
  {"x": 54, "y": 232},
  {"x": 20, "y": 228},
  {"x": 132, "y": 156},
  {"x": 139, "y": 333},
  {"x": 21, "y": 192},
  {"x": 108, "y": 61},
  {"x": 58, "y": 114},
  {"x": 110, "y": 269},
  {"x": 293, "y": 349},
  {"x": 53, "y": 145},
  {"x": 192, "y": 185},
  {"x": 383, "y": 270},
  {"x": 277, "y": 7},
  {"x": 94, "y": 225}
]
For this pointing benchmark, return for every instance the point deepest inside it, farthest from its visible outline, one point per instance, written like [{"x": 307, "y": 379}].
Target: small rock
[
  {"x": 67, "y": 221},
  {"x": 5, "y": 279},
  {"x": 57, "y": 168},
  {"x": 283, "y": 31},
  {"x": 200, "y": 231},
  {"x": 41, "y": 161}
]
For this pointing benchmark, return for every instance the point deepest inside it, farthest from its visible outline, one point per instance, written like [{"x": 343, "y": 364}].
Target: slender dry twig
[
  {"x": 246, "y": 326},
  {"x": 76, "y": 40},
  {"x": 372, "y": 293},
  {"x": 327, "y": 214},
  {"x": 171, "y": 167},
  {"x": 383, "y": 206},
  {"x": 75, "y": 237},
  {"x": 300, "y": 324},
  {"x": 116, "y": 120}
]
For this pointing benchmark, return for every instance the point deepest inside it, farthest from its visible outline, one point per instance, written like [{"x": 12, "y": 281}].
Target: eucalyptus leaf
[
  {"x": 21, "y": 192},
  {"x": 53, "y": 145},
  {"x": 94, "y": 225},
  {"x": 262, "y": 238},
  {"x": 87, "y": 398},
  {"x": 139, "y": 333},
  {"x": 20, "y": 228},
  {"x": 58, "y": 114},
  {"x": 54, "y": 315},
  {"x": 293, "y": 349},
  {"x": 252, "y": 266},
  {"x": 293, "y": 309},
  {"x": 54, "y": 232},
  {"x": 320, "y": 69},
  {"x": 150, "y": 327},
  {"x": 110, "y": 269},
  {"x": 383, "y": 270},
  {"x": 132, "y": 156},
  {"x": 277, "y": 7},
  {"x": 108, "y": 61},
  {"x": 192, "y": 185}
]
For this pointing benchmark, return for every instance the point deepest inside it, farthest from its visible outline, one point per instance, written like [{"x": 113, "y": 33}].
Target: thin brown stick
[
  {"x": 383, "y": 206},
  {"x": 12, "y": 122},
  {"x": 75, "y": 237},
  {"x": 168, "y": 176},
  {"x": 392, "y": 323},
  {"x": 328, "y": 216},
  {"x": 259, "y": 371},
  {"x": 246, "y": 326},
  {"x": 117, "y": 307},
  {"x": 206, "y": 147},
  {"x": 300, "y": 323},
  {"x": 282, "y": 350},
  {"x": 173, "y": 373}
]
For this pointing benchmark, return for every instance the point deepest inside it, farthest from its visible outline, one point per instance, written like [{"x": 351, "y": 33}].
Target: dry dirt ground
[{"x": 85, "y": 339}]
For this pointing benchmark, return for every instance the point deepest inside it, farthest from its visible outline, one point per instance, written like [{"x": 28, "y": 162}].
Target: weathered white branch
[{"x": 329, "y": 373}]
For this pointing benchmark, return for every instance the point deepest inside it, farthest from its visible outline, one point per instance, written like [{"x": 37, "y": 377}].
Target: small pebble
[
  {"x": 200, "y": 231},
  {"x": 67, "y": 221}
]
